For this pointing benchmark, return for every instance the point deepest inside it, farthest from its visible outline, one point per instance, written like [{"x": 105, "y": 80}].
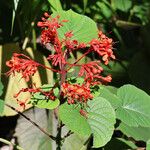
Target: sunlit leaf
[
  {"x": 101, "y": 118},
  {"x": 134, "y": 109},
  {"x": 83, "y": 28},
  {"x": 138, "y": 133},
  {"x": 70, "y": 116}
]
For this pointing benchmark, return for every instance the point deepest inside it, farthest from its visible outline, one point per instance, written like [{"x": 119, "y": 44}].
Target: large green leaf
[
  {"x": 70, "y": 116},
  {"x": 123, "y": 5},
  {"x": 73, "y": 142},
  {"x": 106, "y": 93},
  {"x": 29, "y": 136},
  {"x": 134, "y": 109},
  {"x": 84, "y": 28},
  {"x": 148, "y": 145},
  {"x": 138, "y": 133},
  {"x": 101, "y": 118}
]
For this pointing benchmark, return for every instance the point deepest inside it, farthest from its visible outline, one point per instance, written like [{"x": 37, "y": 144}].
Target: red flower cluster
[
  {"x": 103, "y": 46},
  {"x": 50, "y": 26},
  {"x": 76, "y": 93},
  {"x": 22, "y": 64},
  {"x": 92, "y": 72}
]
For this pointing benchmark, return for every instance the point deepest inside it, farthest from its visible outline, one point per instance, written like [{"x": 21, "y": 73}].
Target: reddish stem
[{"x": 79, "y": 59}]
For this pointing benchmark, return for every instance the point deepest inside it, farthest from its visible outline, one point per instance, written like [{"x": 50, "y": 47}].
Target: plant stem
[
  {"x": 79, "y": 59},
  {"x": 31, "y": 121},
  {"x": 58, "y": 137}
]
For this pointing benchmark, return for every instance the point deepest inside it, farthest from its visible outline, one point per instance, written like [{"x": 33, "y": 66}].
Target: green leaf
[
  {"x": 70, "y": 116},
  {"x": 1, "y": 88},
  {"x": 138, "y": 133},
  {"x": 106, "y": 11},
  {"x": 84, "y": 28},
  {"x": 148, "y": 145},
  {"x": 73, "y": 142},
  {"x": 1, "y": 107},
  {"x": 123, "y": 5},
  {"x": 134, "y": 109},
  {"x": 55, "y": 5},
  {"x": 112, "y": 98},
  {"x": 29, "y": 136},
  {"x": 101, "y": 118},
  {"x": 39, "y": 101}
]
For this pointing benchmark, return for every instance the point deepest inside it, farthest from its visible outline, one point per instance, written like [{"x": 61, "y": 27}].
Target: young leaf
[
  {"x": 70, "y": 116},
  {"x": 134, "y": 109},
  {"x": 101, "y": 118}
]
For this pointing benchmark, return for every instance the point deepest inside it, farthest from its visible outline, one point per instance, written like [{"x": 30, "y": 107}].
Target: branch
[{"x": 45, "y": 132}]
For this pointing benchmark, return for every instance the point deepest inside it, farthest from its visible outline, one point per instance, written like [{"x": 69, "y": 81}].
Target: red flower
[
  {"x": 50, "y": 26},
  {"x": 76, "y": 93},
  {"x": 103, "y": 46},
  {"x": 57, "y": 59},
  {"x": 90, "y": 69},
  {"x": 22, "y": 64},
  {"x": 92, "y": 72}
]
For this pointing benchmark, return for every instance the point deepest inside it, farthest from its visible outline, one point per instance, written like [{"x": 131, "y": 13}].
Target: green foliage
[
  {"x": 101, "y": 118},
  {"x": 126, "y": 20},
  {"x": 111, "y": 97},
  {"x": 138, "y": 133},
  {"x": 55, "y": 5},
  {"x": 69, "y": 114},
  {"x": 123, "y": 5},
  {"x": 134, "y": 109},
  {"x": 41, "y": 101},
  {"x": 87, "y": 25},
  {"x": 44, "y": 103},
  {"x": 148, "y": 145}
]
